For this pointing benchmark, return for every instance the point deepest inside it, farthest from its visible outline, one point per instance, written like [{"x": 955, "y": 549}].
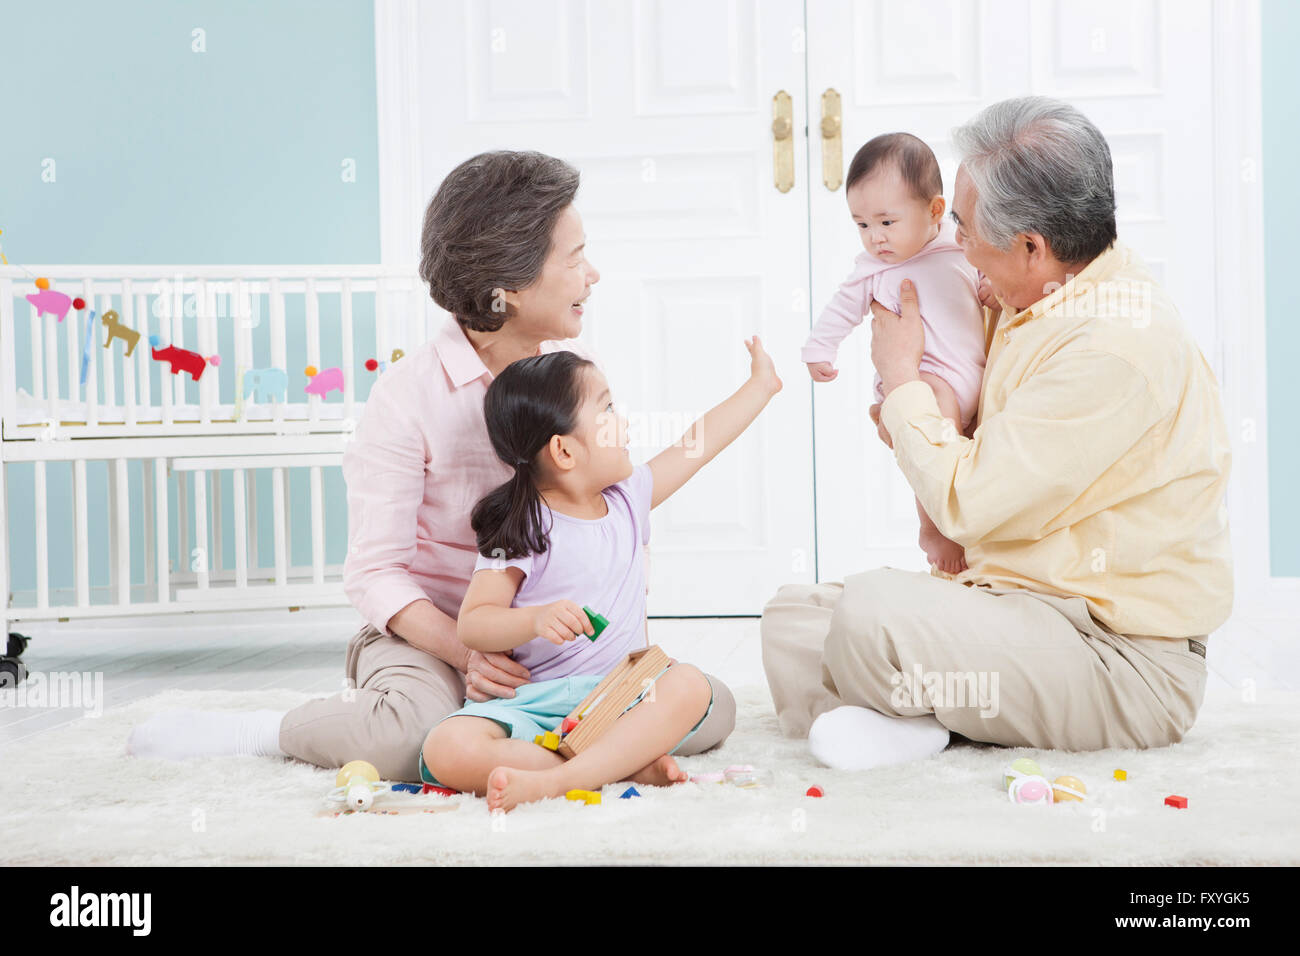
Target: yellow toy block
[
  {"x": 551, "y": 740},
  {"x": 538, "y": 740},
  {"x": 1121, "y": 774},
  {"x": 588, "y": 797}
]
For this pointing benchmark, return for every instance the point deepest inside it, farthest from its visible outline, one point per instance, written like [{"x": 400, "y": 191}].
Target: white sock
[
  {"x": 859, "y": 738},
  {"x": 177, "y": 734}
]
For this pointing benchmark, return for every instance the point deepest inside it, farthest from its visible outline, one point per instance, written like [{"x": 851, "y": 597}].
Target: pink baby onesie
[{"x": 947, "y": 288}]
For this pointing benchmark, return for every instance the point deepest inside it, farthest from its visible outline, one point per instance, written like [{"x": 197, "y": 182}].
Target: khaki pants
[
  {"x": 1010, "y": 667},
  {"x": 401, "y": 692}
]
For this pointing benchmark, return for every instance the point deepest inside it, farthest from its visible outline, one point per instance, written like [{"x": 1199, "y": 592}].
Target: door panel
[
  {"x": 665, "y": 108},
  {"x": 1137, "y": 69}
]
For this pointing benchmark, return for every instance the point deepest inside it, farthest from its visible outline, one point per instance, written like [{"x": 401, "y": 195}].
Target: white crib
[{"x": 175, "y": 485}]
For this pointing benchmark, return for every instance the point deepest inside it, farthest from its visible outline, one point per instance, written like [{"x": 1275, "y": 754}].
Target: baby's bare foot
[
  {"x": 508, "y": 787},
  {"x": 947, "y": 554},
  {"x": 661, "y": 773}
]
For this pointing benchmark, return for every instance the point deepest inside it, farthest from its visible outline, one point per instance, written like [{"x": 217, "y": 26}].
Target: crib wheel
[
  {"x": 17, "y": 644},
  {"x": 12, "y": 672}
]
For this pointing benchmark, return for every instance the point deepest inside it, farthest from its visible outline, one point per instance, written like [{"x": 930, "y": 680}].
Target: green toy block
[{"x": 598, "y": 623}]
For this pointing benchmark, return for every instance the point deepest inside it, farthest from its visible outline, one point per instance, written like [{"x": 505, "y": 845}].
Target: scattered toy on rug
[
  {"x": 1025, "y": 784},
  {"x": 358, "y": 784}
]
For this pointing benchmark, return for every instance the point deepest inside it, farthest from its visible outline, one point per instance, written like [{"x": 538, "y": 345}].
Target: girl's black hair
[{"x": 530, "y": 401}]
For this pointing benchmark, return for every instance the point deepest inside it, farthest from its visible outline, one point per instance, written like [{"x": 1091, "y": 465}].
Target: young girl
[
  {"x": 895, "y": 196},
  {"x": 565, "y": 531}
]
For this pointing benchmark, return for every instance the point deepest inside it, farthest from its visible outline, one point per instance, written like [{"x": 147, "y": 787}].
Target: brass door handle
[
  {"x": 832, "y": 142},
  {"x": 782, "y": 142}
]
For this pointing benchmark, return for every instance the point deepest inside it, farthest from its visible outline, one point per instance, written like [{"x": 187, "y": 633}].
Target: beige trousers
[
  {"x": 1010, "y": 667},
  {"x": 400, "y": 693}
]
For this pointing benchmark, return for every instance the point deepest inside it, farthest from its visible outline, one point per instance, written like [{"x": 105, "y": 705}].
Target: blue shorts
[{"x": 542, "y": 706}]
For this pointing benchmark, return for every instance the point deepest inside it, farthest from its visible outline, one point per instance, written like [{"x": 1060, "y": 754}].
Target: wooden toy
[
  {"x": 116, "y": 330},
  {"x": 1176, "y": 801},
  {"x": 568, "y": 725},
  {"x": 1121, "y": 774},
  {"x": 588, "y": 797},
  {"x": 551, "y": 740},
  {"x": 612, "y": 696}
]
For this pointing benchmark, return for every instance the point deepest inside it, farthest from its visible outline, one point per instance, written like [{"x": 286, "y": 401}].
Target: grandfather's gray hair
[
  {"x": 1039, "y": 165},
  {"x": 488, "y": 229}
]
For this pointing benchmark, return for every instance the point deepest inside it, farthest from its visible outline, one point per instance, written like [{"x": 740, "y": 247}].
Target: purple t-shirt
[{"x": 595, "y": 562}]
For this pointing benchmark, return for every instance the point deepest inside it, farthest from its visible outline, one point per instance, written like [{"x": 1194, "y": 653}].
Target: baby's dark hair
[
  {"x": 914, "y": 160},
  {"x": 531, "y": 400}
]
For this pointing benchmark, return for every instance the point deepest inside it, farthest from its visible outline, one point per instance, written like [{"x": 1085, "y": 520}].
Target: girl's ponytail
[{"x": 530, "y": 401}]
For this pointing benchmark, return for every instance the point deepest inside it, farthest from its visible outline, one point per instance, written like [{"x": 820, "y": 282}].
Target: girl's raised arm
[{"x": 717, "y": 428}]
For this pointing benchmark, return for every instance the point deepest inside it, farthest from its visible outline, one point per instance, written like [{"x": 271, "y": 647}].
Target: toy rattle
[
  {"x": 1025, "y": 784},
  {"x": 356, "y": 785}
]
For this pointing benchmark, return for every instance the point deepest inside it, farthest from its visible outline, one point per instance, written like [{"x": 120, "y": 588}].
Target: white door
[
  {"x": 1138, "y": 68},
  {"x": 666, "y": 109}
]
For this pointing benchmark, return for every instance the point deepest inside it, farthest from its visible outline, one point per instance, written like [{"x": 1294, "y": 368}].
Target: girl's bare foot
[
  {"x": 661, "y": 773},
  {"x": 947, "y": 554},
  {"x": 507, "y": 787}
]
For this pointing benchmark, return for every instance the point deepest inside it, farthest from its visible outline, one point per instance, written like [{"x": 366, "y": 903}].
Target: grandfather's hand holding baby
[{"x": 897, "y": 344}]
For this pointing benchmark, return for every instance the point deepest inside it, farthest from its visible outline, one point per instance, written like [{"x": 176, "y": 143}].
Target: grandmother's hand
[{"x": 493, "y": 674}]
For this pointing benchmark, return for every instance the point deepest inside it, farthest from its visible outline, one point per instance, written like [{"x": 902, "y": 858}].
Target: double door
[{"x": 714, "y": 211}]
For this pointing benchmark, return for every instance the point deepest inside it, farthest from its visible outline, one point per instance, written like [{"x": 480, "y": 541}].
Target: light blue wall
[
  {"x": 167, "y": 155},
  {"x": 1281, "y": 82}
]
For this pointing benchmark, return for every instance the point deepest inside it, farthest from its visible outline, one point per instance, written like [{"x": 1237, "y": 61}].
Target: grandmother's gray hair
[{"x": 1039, "y": 165}]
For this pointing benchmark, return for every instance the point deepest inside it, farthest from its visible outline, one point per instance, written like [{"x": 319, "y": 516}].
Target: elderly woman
[
  {"x": 503, "y": 252},
  {"x": 1090, "y": 499}
]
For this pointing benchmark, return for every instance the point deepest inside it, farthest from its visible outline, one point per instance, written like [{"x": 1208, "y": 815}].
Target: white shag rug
[{"x": 72, "y": 796}]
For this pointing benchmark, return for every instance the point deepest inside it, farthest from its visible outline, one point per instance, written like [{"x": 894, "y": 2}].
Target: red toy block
[
  {"x": 568, "y": 725},
  {"x": 815, "y": 791},
  {"x": 1176, "y": 801},
  {"x": 445, "y": 791}
]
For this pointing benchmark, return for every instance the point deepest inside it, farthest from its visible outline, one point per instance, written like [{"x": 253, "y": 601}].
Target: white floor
[{"x": 303, "y": 651}]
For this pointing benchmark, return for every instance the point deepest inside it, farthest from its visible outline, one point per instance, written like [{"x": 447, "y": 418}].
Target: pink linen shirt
[
  {"x": 418, "y": 462},
  {"x": 947, "y": 289}
]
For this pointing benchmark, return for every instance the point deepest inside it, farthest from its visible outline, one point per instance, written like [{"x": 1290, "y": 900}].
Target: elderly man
[{"x": 1089, "y": 499}]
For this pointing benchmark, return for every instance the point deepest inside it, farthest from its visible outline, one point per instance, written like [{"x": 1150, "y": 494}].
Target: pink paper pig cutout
[
  {"x": 325, "y": 381},
  {"x": 47, "y": 300}
]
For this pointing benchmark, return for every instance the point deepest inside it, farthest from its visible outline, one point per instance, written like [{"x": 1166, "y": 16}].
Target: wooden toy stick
[{"x": 611, "y": 697}]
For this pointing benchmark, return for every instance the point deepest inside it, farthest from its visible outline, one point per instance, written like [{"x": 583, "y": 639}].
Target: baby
[{"x": 895, "y": 195}]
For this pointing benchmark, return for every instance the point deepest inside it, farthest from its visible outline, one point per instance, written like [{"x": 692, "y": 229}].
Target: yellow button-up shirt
[{"x": 1100, "y": 463}]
